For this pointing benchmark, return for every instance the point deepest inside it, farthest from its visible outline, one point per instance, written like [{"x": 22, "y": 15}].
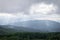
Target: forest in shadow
[{"x": 31, "y": 36}]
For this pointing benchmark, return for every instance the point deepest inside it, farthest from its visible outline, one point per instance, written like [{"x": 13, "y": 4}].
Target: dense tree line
[{"x": 31, "y": 36}]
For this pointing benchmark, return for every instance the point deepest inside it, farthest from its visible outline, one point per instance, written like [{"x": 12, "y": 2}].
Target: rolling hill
[
  {"x": 32, "y": 26},
  {"x": 42, "y": 25}
]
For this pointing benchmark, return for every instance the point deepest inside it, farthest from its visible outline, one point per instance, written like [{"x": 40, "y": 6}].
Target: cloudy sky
[{"x": 12, "y": 11}]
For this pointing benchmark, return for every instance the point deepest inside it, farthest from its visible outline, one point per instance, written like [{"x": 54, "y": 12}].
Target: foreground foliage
[{"x": 31, "y": 36}]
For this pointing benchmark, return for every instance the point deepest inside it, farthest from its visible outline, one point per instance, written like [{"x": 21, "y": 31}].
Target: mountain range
[{"x": 32, "y": 26}]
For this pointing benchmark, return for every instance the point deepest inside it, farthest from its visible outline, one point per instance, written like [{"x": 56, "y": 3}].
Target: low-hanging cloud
[
  {"x": 6, "y": 18},
  {"x": 19, "y": 10}
]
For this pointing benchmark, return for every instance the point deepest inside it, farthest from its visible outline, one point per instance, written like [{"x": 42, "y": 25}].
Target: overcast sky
[{"x": 12, "y": 11}]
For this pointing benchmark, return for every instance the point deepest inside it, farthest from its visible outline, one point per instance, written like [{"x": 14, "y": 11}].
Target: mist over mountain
[
  {"x": 44, "y": 25},
  {"x": 5, "y": 30},
  {"x": 35, "y": 26}
]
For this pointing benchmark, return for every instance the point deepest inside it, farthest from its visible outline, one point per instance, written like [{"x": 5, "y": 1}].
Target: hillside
[{"x": 42, "y": 25}]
